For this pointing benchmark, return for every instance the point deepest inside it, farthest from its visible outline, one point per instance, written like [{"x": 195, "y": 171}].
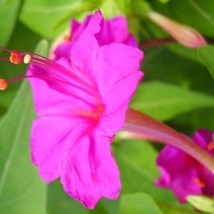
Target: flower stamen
[
  {"x": 3, "y": 84},
  {"x": 27, "y": 58},
  {"x": 15, "y": 57},
  {"x": 52, "y": 71}
]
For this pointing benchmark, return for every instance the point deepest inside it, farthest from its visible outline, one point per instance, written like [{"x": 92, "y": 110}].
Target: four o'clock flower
[
  {"x": 182, "y": 173},
  {"x": 81, "y": 99}
]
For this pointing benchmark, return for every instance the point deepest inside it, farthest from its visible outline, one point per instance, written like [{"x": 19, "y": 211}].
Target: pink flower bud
[{"x": 184, "y": 34}]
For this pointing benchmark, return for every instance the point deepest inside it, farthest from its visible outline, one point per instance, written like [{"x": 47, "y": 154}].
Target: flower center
[{"x": 94, "y": 114}]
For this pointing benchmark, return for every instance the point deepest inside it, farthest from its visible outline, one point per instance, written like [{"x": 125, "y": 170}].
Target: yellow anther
[{"x": 27, "y": 59}]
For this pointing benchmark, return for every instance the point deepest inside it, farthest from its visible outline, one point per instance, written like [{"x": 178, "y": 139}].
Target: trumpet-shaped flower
[
  {"x": 183, "y": 174},
  {"x": 81, "y": 99},
  {"x": 81, "y": 103}
]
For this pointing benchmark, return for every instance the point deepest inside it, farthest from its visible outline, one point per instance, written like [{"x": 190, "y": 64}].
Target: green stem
[{"x": 141, "y": 123}]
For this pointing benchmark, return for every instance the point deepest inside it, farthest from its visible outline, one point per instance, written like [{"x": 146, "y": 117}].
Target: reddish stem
[{"x": 156, "y": 42}]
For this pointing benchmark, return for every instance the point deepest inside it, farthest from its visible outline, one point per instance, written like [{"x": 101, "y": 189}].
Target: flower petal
[
  {"x": 83, "y": 53},
  {"x": 52, "y": 95},
  {"x": 114, "y": 63},
  {"x": 115, "y": 30},
  {"x": 51, "y": 139},
  {"x": 90, "y": 171},
  {"x": 184, "y": 184}
]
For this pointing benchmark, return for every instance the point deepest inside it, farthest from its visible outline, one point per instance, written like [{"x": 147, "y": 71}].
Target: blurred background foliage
[{"x": 177, "y": 89}]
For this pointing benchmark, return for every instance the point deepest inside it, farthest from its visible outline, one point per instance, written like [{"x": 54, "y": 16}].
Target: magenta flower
[
  {"x": 81, "y": 101},
  {"x": 111, "y": 31},
  {"x": 183, "y": 174}
]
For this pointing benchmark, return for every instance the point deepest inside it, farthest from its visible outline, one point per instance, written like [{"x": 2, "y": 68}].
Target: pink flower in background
[
  {"x": 81, "y": 100},
  {"x": 183, "y": 174},
  {"x": 114, "y": 30}
]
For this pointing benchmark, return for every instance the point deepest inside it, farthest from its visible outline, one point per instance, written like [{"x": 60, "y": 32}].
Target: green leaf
[
  {"x": 161, "y": 64},
  {"x": 138, "y": 203},
  {"x": 195, "y": 119},
  {"x": 8, "y": 14},
  {"x": 164, "y": 1},
  {"x": 60, "y": 202},
  {"x": 169, "y": 209},
  {"x": 21, "y": 189},
  {"x": 164, "y": 101},
  {"x": 206, "y": 54},
  {"x": 54, "y": 15}
]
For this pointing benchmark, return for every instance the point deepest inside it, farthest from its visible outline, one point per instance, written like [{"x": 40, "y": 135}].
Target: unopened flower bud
[{"x": 183, "y": 34}]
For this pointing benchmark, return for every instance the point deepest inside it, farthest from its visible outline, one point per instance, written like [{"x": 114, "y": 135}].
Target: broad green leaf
[
  {"x": 138, "y": 203},
  {"x": 54, "y": 15},
  {"x": 206, "y": 54},
  {"x": 8, "y": 14},
  {"x": 164, "y": 101},
  {"x": 21, "y": 189},
  {"x": 59, "y": 202},
  {"x": 161, "y": 64}
]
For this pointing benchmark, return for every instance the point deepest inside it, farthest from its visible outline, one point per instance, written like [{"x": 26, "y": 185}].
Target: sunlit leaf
[
  {"x": 54, "y": 15},
  {"x": 138, "y": 203}
]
